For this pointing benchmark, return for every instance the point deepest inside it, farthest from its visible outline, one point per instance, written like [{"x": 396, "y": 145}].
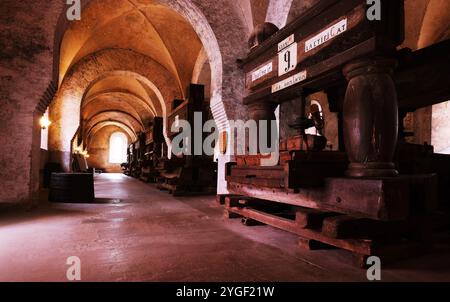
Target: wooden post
[{"x": 370, "y": 117}]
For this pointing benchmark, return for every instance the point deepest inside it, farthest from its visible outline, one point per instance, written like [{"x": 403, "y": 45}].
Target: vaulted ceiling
[{"x": 129, "y": 59}]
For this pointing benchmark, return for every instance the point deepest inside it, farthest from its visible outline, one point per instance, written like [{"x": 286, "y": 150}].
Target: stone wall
[
  {"x": 26, "y": 60},
  {"x": 99, "y": 150}
]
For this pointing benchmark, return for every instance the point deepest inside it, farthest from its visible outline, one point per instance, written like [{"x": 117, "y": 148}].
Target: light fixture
[
  {"x": 45, "y": 122},
  {"x": 77, "y": 150}
]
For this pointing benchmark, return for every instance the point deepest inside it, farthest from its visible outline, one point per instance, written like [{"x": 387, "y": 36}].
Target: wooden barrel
[{"x": 72, "y": 188}]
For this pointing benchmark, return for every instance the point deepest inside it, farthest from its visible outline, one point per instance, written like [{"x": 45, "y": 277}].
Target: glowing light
[
  {"x": 45, "y": 122},
  {"x": 118, "y": 144}
]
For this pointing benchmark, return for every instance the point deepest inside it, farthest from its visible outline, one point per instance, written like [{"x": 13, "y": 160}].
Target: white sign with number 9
[{"x": 287, "y": 59}]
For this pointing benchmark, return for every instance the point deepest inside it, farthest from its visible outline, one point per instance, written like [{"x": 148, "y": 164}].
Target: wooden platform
[
  {"x": 320, "y": 229},
  {"x": 386, "y": 199}
]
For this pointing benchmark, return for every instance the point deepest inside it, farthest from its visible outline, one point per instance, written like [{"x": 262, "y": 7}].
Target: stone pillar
[{"x": 370, "y": 117}]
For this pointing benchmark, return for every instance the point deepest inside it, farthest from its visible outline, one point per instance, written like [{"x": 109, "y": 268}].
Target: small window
[
  {"x": 118, "y": 144},
  {"x": 44, "y": 131},
  {"x": 440, "y": 128},
  {"x": 315, "y": 107}
]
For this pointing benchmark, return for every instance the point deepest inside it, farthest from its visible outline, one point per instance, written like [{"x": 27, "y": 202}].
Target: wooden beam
[
  {"x": 380, "y": 199},
  {"x": 422, "y": 78}
]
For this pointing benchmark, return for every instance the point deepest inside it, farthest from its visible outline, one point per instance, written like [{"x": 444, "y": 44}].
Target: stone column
[{"x": 370, "y": 117}]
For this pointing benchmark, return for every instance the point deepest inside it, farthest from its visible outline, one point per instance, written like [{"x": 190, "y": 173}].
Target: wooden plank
[
  {"x": 261, "y": 182},
  {"x": 349, "y": 227},
  {"x": 230, "y": 215},
  {"x": 357, "y": 246},
  {"x": 310, "y": 218},
  {"x": 379, "y": 199},
  {"x": 255, "y": 160},
  {"x": 251, "y": 222},
  {"x": 257, "y": 172},
  {"x": 312, "y": 245},
  {"x": 221, "y": 198},
  {"x": 421, "y": 78},
  {"x": 232, "y": 201}
]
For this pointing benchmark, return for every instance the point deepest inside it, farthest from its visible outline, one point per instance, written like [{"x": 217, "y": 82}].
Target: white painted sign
[
  {"x": 287, "y": 59},
  {"x": 260, "y": 72},
  {"x": 326, "y": 35},
  {"x": 297, "y": 78},
  {"x": 286, "y": 42}
]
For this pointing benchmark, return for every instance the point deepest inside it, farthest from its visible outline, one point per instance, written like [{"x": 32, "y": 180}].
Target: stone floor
[{"x": 152, "y": 236}]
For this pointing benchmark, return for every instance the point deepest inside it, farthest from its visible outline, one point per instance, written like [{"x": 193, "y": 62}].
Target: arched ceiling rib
[
  {"x": 118, "y": 82},
  {"x": 86, "y": 73},
  {"x": 101, "y": 138},
  {"x": 109, "y": 112},
  {"x": 115, "y": 115},
  {"x": 128, "y": 86},
  {"x": 91, "y": 133},
  {"x": 126, "y": 56},
  {"x": 118, "y": 99}
]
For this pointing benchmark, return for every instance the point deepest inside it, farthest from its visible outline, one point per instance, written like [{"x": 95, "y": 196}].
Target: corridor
[{"x": 151, "y": 236}]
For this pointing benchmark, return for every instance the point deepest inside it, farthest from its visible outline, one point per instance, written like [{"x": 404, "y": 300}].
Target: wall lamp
[{"x": 44, "y": 122}]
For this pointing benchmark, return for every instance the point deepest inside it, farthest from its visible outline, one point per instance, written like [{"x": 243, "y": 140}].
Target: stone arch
[
  {"x": 202, "y": 58},
  {"x": 152, "y": 90},
  {"x": 117, "y": 101},
  {"x": 136, "y": 121},
  {"x": 278, "y": 11},
  {"x": 219, "y": 36},
  {"x": 103, "y": 124},
  {"x": 282, "y": 12},
  {"x": 65, "y": 109},
  {"x": 120, "y": 93},
  {"x": 436, "y": 23}
]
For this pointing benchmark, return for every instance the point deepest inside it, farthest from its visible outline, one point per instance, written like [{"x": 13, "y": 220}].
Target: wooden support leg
[
  {"x": 360, "y": 260},
  {"x": 230, "y": 215},
  {"x": 312, "y": 245},
  {"x": 220, "y": 199},
  {"x": 250, "y": 222},
  {"x": 370, "y": 117}
]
